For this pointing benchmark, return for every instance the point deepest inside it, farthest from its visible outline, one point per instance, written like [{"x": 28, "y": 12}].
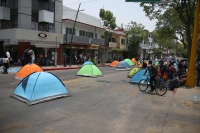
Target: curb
[{"x": 65, "y": 68}]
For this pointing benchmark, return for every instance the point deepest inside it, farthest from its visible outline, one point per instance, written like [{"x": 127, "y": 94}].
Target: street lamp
[{"x": 73, "y": 34}]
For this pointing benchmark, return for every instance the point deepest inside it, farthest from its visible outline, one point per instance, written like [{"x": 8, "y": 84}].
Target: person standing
[
  {"x": 95, "y": 59},
  {"x": 65, "y": 59},
  {"x": 81, "y": 57},
  {"x": 5, "y": 64},
  {"x": 8, "y": 54}
]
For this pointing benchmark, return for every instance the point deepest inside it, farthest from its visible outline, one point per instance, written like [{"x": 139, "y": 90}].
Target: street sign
[{"x": 148, "y": 0}]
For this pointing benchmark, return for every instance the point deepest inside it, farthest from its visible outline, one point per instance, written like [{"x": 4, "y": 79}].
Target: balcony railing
[
  {"x": 112, "y": 44},
  {"x": 81, "y": 39},
  {"x": 144, "y": 46}
]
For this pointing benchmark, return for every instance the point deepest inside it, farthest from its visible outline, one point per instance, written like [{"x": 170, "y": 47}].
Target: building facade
[
  {"x": 87, "y": 36},
  {"x": 35, "y": 24},
  {"x": 117, "y": 41},
  {"x": 146, "y": 47}
]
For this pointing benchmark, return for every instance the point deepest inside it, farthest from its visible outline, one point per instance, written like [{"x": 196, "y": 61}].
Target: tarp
[
  {"x": 123, "y": 65},
  {"x": 129, "y": 62},
  {"x": 87, "y": 63},
  {"x": 138, "y": 76},
  {"x": 26, "y": 70},
  {"x": 133, "y": 71},
  {"x": 89, "y": 70},
  {"x": 134, "y": 61},
  {"x": 39, "y": 87},
  {"x": 114, "y": 63}
]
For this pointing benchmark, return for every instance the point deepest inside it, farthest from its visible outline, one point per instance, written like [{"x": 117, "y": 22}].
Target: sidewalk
[{"x": 61, "y": 67}]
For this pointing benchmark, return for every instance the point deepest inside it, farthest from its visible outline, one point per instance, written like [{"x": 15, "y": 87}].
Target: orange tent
[
  {"x": 134, "y": 61},
  {"x": 114, "y": 63},
  {"x": 26, "y": 70}
]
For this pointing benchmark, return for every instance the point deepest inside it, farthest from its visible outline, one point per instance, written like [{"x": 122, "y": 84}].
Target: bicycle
[{"x": 160, "y": 87}]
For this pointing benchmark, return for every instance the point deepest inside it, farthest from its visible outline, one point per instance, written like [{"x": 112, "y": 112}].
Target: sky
[{"x": 125, "y": 12}]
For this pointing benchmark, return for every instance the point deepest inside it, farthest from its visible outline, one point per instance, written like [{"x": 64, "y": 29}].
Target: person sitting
[
  {"x": 183, "y": 79},
  {"x": 175, "y": 83}
]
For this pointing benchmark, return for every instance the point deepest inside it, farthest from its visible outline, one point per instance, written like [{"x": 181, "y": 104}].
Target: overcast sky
[{"x": 124, "y": 12}]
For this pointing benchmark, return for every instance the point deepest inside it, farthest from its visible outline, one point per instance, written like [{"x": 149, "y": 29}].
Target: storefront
[{"x": 44, "y": 44}]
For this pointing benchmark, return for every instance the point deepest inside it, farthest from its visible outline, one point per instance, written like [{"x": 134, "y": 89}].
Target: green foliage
[
  {"x": 135, "y": 35},
  {"x": 117, "y": 51},
  {"x": 177, "y": 16},
  {"x": 157, "y": 52},
  {"x": 109, "y": 21}
]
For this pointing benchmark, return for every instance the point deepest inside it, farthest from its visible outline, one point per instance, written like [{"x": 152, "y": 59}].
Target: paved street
[{"x": 108, "y": 104}]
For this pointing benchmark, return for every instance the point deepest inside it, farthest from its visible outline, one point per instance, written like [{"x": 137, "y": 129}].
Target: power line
[{"x": 82, "y": 2}]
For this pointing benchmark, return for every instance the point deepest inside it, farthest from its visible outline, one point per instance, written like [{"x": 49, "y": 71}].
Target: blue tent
[
  {"x": 138, "y": 76},
  {"x": 122, "y": 65},
  {"x": 88, "y": 63},
  {"x": 39, "y": 87}
]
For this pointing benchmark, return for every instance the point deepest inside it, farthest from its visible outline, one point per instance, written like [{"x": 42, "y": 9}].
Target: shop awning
[
  {"x": 76, "y": 46},
  {"x": 93, "y": 46}
]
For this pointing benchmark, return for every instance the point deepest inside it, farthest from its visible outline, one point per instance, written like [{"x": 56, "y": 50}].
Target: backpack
[{"x": 154, "y": 70}]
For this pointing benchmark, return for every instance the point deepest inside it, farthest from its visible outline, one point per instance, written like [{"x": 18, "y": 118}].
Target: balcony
[
  {"x": 46, "y": 16},
  {"x": 145, "y": 46},
  {"x": 83, "y": 40},
  {"x": 112, "y": 44},
  {"x": 4, "y": 13}
]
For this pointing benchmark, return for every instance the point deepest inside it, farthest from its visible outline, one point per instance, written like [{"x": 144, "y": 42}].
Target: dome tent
[
  {"x": 134, "y": 61},
  {"x": 133, "y": 71},
  {"x": 114, "y": 63},
  {"x": 26, "y": 70},
  {"x": 123, "y": 65},
  {"x": 87, "y": 63},
  {"x": 138, "y": 76},
  {"x": 129, "y": 62},
  {"x": 39, "y": 87},
  {"x": 89, "y": 70}
]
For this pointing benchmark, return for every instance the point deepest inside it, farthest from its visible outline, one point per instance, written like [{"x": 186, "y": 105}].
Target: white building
[
  {"x": 146, "y": 47},
  {"x": 88, "y": 31}
]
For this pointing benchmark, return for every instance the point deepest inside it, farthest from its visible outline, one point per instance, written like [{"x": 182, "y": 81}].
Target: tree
[
  {"x": 173, "y": 26},
  {"x": 135, "y": 35},
  {"x": 117, "y": 52},
  {"x": 185, "y": 10},
  {"x": 109, "y": 22}
]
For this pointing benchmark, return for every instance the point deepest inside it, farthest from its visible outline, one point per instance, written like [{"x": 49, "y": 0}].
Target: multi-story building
[
  {"x": 87, "y": 38},
  {"x": 118, "y": 40},
  {"x": 35, "y": 24},
  {"x": 146, "y": 47}
]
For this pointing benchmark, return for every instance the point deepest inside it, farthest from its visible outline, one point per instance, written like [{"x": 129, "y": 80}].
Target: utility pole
[
  {"x": 72, "y": 35},
  {"x": 190, "y": 82}
]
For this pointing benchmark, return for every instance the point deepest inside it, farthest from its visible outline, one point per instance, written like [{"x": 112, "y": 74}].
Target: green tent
[
  {"x": 133, "y": 71},
  {"x": 129, "y": 62},
  {"x": 89, "y": 70},
  {"x": 157, "y": 63}
]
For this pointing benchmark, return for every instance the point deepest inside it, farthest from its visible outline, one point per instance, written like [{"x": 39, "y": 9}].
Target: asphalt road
[{"x": 108, "y": 104}]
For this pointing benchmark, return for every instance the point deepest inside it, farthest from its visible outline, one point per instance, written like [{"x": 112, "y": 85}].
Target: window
[
  {"x": 43, "y": 27},
  {"x": 81, "y": 33},
  {"x": 41, "y": 5},
  {"x": 113, "y": 40},
  {"x": 4, "y": 24},
  {"x": 89, "y": 34},
  {"x": 122, "y": 41},
  {"x": 69, "y": 30}
]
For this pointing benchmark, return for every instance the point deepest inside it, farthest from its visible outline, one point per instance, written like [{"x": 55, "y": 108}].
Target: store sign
[{"x": 42, "y": 35}]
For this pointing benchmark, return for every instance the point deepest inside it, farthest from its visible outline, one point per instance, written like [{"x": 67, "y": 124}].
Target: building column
[{"x": 22, "y": 46}]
